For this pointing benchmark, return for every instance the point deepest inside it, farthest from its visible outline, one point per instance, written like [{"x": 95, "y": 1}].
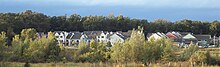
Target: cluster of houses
[
  {"x": 183, "y": 39},
  {"x": 75, "y": 37}
]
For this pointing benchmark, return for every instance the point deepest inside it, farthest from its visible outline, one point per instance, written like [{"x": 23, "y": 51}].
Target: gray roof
[
  {"x": 184, "y": 33},
  {"x": 76, "y": 35},
  {"x": 161, "y": 34},
  {"x": 92, "y": 34},
  {"x": 149, "y": 34},
  {"x": 126, "y": 34},
  {"x": 123, "y": 37},
  {"x": 59, "y": 32},
  {"x": 69, "y": 36},
  {"x": 203, "y": 37},
  {"x": 109, "y": 35}
]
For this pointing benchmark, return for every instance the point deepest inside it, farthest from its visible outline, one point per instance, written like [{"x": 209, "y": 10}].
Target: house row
[
  {"x": 183, "y": 39},
  {"x": 75, "y": 37}
]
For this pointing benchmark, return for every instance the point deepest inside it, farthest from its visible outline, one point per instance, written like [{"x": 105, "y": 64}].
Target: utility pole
[
  {"x": 214, "y": 40},
  {"x": 218, "y": 41}
]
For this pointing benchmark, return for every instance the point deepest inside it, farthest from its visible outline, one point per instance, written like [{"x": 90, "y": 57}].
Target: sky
[{"x": 173, "y": 10}]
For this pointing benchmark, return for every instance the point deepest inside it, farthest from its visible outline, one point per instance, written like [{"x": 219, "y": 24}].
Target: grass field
[{"x": 69, "y": 64}]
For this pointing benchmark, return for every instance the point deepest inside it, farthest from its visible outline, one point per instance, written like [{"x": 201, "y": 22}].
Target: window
[
  {"x": 57, "y": 36},
  {"x": 61, "y": 36},
  {"x": 102, "y": 36}
]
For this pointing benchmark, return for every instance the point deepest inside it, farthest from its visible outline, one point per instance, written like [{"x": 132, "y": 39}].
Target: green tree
[
  {"x": 136, "y": 41},
  {"x": 116, "y": 54},
  {"x": 131, "y": 50},
  {"x": 16, "y": 48},
  {"x": 53, "y": 49},
  {"x": 215, "y": 27},
  {"x": 82, "y": 49},
  {"x": 152, "y": 50},
  {"x": 36, "y": 50},
  {"x": 75, "y": 22},
  {"x": 168, "y": 51},
  {"x": 161, "y": 25},
  {"x": 3, "y": 46},
  {"x": 188, "y": 52},
  {"x": 28, "y": 34}
]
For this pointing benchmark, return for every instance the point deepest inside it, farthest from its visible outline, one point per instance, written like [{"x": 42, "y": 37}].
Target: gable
[
  {"x": 83, "y": 36},
  {"x": 56, "y": 34},
  {"x": 116, "y": 36},
  {"x": 171, "y": 35},
  {"x": 155, "y": 36},
  {"x": 189, "y": 36}
]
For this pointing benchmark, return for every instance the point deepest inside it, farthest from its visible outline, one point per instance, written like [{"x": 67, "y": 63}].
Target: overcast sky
[{"x": 205, "y": 10}]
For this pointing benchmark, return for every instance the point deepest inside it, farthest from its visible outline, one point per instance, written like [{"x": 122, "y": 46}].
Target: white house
[
  {"x": 103, "y": 37},
  {"x": 116, "y": 38},
  {"x": 61, "y": 36},
  {"x": 157, "y": 36},
  {"x": 75, "y": 37}
]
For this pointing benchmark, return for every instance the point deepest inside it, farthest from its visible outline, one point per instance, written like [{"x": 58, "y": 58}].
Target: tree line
[{"x": 15, "y": 22}]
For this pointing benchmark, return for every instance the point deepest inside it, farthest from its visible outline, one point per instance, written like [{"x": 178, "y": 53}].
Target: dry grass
[{"x": 70, "y": 64}]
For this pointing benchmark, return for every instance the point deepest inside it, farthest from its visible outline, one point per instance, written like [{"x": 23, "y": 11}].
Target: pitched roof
[
  {"x": 184, "y": 33},
  {"x": 126, "y": 34},
  {"x": 203, "y": 37},
  {"x": 109, "y": 35},
  {"x": 92, "y": 34},
  {"x": 177, "y": 34},
  {"x": 161, "y": 34},
  {"x": 70, "y": 35},
  {"x": 149, "y": 34},
  {"x": 171, "y": 35},
  {"x": 189, "y": 36},
  {"x": 76, "y": 36},
  {"x": 123, "y": 37}
]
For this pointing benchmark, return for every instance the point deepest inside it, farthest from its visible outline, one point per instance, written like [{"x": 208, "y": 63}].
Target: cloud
[
  {"x": 149, "y": 3},
  {"x": 135, "y": 3}
]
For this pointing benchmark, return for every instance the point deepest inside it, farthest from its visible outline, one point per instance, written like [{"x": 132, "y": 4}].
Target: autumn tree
[
  {"x": 168, "y": 51},
  {"x": 215, "y": 27},
  {"x": 131, "y": 50},
  {"x": 3, "y": 47}
]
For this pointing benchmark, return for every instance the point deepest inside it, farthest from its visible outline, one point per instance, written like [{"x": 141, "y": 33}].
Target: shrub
[
  {"x": 188, "y": 52},
  {"x": 199, "y": 57}
]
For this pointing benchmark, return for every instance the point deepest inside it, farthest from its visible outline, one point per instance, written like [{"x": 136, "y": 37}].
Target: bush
[
  {"x": 199, "y": 58},
  {"x": 205, "y": 57},
  {"x": 188, "y": 52},
  {"x": 212, "y": 60}
]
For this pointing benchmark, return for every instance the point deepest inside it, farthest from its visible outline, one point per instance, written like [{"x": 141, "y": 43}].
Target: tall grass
[{"x": 70, "y": 64}]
